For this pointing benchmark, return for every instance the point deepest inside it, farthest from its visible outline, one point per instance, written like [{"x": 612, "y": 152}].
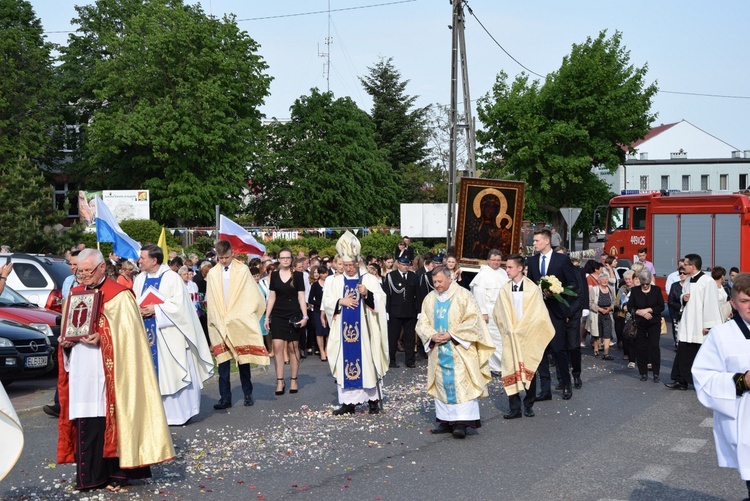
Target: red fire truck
[{"x": 672, "y": 224}]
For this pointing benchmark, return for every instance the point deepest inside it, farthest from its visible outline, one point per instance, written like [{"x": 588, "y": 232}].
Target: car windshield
[{"x": 9, "y": 297}]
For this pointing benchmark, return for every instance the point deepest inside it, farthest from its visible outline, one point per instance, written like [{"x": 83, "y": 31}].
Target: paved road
[{"x": 617, "y": 439}]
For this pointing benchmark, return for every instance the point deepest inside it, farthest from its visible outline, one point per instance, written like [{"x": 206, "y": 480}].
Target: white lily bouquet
[{"x": 551, "y": 285}]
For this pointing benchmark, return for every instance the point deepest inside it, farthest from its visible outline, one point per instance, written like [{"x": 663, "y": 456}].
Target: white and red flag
[{"x": 242, "y": 241}]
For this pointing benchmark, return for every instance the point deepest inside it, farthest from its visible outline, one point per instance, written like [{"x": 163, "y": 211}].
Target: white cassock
[
  {"x": 184, "y": 358},
  {"x": 12, "y": 433},
  {"x": 701, "y": 311},
  {"x": 726, "y": 352},
  {"x": 486, "y": 287}
]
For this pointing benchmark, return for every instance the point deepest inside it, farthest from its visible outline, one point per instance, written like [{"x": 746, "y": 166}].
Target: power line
[
  {"x": 498, "y": 43},
  {"x": 297, "y": 14},
  {"x": 703, "y": 95}
]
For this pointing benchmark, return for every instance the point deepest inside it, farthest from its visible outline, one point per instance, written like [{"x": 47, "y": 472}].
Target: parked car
[
  {"x": 14, "y": 306},
  {"x": 24, "y": 352},
  {"x": 38, "y": 278}
]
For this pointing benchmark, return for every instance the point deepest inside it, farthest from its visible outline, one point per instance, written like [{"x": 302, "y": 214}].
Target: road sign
[{"x": 570, "y": 214}]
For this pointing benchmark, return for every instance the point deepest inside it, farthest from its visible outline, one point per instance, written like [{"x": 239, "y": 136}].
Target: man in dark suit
[
  {"x": 401, "y": 287},
  {"x": 547, "y": 262}
]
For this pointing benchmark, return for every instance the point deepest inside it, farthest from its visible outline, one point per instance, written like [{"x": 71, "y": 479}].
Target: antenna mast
[{"x": 327, "y": 53}]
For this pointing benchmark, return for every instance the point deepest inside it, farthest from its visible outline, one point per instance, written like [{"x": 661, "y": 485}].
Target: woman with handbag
[
  {"x": 621, "y": 313},
  {"x": 601, "y": 323},
  {"x": 646, "y": 304},
  {"x": 286, "y": 313}
]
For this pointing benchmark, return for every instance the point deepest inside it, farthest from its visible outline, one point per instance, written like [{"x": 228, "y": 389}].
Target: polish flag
[{"x": 242, "y": 241}]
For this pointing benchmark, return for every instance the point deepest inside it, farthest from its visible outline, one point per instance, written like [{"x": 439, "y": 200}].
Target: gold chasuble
[
  {"x": 136, "y": 428},
  {"x": 524, "y": 340},
  {"x": 470, "y": 365},
  {"x": 234, "y": 328}
]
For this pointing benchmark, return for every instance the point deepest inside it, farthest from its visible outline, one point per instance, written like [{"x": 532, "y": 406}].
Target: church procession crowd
[{"x": 158, "y": 333}]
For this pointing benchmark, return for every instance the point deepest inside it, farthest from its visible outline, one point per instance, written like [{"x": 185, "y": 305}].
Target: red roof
[{"x": 655, "y": 131}]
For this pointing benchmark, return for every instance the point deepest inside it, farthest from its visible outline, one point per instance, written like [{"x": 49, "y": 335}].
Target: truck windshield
[{"x": 619, "y": 219}]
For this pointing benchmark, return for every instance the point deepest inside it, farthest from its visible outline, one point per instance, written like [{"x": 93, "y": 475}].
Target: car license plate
[{"x": 36, "y": 361}]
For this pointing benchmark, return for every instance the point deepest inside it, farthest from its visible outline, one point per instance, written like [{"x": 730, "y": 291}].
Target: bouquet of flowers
[{"x": 551, "y": 285}]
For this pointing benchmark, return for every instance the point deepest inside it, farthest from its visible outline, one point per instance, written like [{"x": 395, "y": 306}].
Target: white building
[{"x": 680, "y": 156}]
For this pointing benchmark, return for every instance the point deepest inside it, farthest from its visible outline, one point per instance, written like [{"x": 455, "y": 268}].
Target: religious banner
[
  {"x": 81, "y": 314},
  {"x": 490, "y": 216}
]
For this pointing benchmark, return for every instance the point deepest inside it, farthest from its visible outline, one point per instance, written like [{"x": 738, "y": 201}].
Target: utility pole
[
  {"x": 327, "y": 53},
  {"x": 458, "y": 56}
]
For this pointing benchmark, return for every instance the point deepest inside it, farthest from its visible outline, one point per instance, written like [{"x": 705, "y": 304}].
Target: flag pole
[{"x": 216, "y": 209}]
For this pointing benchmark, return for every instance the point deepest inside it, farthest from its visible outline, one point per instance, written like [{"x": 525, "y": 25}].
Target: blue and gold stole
[
  {"x": 351, "y": 332},
  {"x": 150, "y": 323},
  {"x": 445, "y": 351}
]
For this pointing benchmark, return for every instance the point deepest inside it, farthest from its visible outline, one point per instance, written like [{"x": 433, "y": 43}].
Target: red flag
[{"x": 242, "y": 241}]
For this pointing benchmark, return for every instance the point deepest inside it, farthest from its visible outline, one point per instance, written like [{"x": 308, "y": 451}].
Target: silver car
[{"x": 38, "y": 278}]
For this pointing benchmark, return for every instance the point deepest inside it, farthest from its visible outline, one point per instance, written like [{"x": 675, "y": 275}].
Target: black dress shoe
[
  {"x": 459, "y": 431},
  {"x": 393, "y": 365},
  {"x": 249, "y": 401},
  {"x": 411, "y": 365},
  {"x": 528, "y": 412},
  {"x": 676, "y": 385},
  {"x": 543, "y": 397},
  {"x": 577, "y": 383},
  {"x": 656, "y": 378},
  {"x": 222, "y": 405},
  {"x": 512, "y": 415},
  {"x": 567, "y": 393},
  {"x": 558, "y": 387},
  {"x": 51, "y": 410},
  {"x": 442, "y": 428},
  {"x": 344, "y": 409},
  {"x": 374, "y": 407},
  {"x": 644, "y": 377}
]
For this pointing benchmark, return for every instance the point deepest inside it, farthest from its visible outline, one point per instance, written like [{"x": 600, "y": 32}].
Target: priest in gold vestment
[
  {"x": 526, "y": 330},
  {"x": 112, "y": 422},
  {"x": 459, "y": 346}
]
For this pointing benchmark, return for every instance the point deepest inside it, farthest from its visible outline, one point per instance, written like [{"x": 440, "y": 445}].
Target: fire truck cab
[{"x": 672, "y": 224}]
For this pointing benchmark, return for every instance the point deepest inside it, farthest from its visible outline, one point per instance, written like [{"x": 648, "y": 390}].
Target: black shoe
[
  {"x": 344, "y": 409},
  {"x": 411, "y": 365},
  {"x": 51, "y": 410},
  {"x": 644, "y": 377},
  {"x": 249, "y": 400},
  {"x": 567, "y": 393},
  {"x": 283, "y": 387},
  {"x": 512, "y": 415},
  {"x": 222, "y": 405},
  {"x": 656, "y": 378},
  {"x": 543, "y": 397},
  {"x": 293, "y": 390},
  {"x": 374, "y": 407},
  {"x": 459, "y": 431},
  {"x": 676, "y": 385},
  {"x": 442, "y": 428},
  {"x": 528, "y": 412},
  {"x": 577, "y": 383},
  {"x": 393, "y": 365}
]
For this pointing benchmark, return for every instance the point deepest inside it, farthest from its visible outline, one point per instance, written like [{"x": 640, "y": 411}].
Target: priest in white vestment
[
  {"x": 721, "y": 375},
  {"x": 485, "y": 287},
  {"x": 358, "y": 341},
  {"x": 700, "y": 303},
  {"x": 458, "y": 345},
  {"x": 180, "y": 352}
]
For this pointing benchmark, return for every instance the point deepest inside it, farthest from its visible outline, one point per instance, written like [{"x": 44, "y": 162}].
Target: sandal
[
  {"x": 607, "y": 356},
  {"x": 293, "y": 390},
  {"x": 596, "y": 354},
  {"x": 283, "y": 387}
]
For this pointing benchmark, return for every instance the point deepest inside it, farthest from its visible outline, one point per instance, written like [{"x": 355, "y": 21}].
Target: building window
[
  {"x": 743, "y": 181},
  {"x": 705, "y": 186},
  {"x": 686, "y": 183},
  {"x": 66, "y": 199},
  {"x": 723, "y": 182},
  {"x": 665, "y": 182},
  {"x": 71, "y": 134},
  {"x": 644, "y": 182}
]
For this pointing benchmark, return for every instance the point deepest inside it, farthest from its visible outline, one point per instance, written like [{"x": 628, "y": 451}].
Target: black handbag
[{"x": 630, "y": 330}]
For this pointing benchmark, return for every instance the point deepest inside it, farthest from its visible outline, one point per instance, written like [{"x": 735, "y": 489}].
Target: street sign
[{"x": 570, "y": 214}]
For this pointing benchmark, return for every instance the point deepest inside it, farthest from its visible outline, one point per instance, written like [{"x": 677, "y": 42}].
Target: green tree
[
  {"x": 28, "y": 116},
  {"x": 323, "y": 168},
  {"x": 400, "y": 128},
  {"x": 551, "y": 136},
  {"x": 168, "y": 98}
]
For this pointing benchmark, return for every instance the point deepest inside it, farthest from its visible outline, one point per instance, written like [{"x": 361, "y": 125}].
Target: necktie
[
  {"x": 515, "y": 288},
  {"x": 544, "y": 265},
  {"x": 404, "y": 277},
  {"x": 226, "y": 268}
]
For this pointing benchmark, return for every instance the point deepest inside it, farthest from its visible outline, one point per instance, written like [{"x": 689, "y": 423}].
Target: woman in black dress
[
  {"x": 646, "y": 304},
  {"x": 286, "y": 313}
]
